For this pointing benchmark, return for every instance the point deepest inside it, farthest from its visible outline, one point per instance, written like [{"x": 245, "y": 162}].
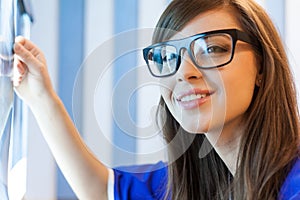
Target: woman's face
[{"x": 231, "y": 87}]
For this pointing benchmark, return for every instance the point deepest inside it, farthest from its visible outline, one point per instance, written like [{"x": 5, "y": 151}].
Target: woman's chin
[{"x": 195, "y": 130}]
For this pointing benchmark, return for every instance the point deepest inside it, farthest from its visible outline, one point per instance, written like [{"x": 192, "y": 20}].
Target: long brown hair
[{"x": 269, "y": 145}]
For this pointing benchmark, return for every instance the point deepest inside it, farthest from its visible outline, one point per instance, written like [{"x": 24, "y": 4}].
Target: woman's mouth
[{"x": 193, "y": 98}]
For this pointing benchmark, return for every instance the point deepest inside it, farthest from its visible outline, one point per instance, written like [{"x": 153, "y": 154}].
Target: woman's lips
[{"x": 193, "y": 98}]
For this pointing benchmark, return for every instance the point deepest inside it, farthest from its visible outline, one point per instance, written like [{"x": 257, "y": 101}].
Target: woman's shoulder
[
  {"x": 144, "y": 168},
  {"x": 290, "y": 190},
  {"x": 147, "y": 181}
]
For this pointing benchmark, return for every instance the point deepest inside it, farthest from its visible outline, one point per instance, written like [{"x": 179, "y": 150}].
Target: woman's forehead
[{"x": 222, "y": 18}]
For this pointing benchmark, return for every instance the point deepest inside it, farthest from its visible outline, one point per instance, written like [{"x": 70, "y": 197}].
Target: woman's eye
[{"x": 216, "y": 49}]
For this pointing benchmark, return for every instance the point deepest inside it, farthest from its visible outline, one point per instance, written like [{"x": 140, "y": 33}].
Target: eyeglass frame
[{"x": 185, "y": 43}]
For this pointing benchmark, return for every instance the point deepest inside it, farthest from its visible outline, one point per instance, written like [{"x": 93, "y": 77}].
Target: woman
[
  {"x": 223, "y": 68},
  {"x": 262, "y": 99}
]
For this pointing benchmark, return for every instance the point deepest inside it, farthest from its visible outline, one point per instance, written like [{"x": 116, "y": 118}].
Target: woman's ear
[
  {"x": 258, "y": 80},
  {"x": 259, "y": 75}
]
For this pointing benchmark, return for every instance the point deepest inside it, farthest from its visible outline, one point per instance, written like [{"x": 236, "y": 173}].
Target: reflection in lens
[{"x": 162, "y": 60}]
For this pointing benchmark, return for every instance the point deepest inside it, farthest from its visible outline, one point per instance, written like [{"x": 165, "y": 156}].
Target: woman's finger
[
  {"x": 33, "y": 63},
  {"x": 27, "y": 44},
  {"x": 20, "y": 71}
]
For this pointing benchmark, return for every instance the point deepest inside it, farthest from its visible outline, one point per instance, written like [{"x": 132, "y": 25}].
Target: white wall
[
  {"x": 97, "y": 103},
  {"x": 150, "y": 145},
  {"x": 41, "y": 166},
  {"x": 98, "y": 30}
]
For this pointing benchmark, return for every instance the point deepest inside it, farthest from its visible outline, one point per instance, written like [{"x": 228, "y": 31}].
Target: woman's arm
[{"x": 86, "y": 175}]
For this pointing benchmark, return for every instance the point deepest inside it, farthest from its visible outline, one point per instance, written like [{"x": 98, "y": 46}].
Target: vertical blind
[{"x": 15, "y": 19}]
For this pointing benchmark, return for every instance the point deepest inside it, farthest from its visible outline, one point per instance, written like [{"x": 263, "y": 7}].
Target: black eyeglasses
[{"x": 207, "y": 50}]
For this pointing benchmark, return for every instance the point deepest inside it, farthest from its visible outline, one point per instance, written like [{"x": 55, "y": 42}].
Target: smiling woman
[
  {"x": 254, "y": 105},
  {"x": 226, "y": 89}
]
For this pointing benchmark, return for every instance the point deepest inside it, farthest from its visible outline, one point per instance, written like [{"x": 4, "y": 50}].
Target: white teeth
[{"x": 192, "y": 97}]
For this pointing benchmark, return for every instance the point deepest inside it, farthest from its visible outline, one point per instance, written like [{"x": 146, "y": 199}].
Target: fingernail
[{"x": 17, "y": 46}]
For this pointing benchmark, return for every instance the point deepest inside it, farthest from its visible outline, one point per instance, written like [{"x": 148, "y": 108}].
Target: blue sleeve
[
  {"x": 147, "y": 182},
  {"x": 291, "y": 187}
]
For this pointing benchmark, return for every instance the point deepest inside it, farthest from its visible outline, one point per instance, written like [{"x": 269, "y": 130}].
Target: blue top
[
  {"x": 290, "y": 189},
  {"x": 151, "y": 183}
]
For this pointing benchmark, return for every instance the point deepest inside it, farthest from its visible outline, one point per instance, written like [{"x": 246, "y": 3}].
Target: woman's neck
[{"x": 226, "y": 143}]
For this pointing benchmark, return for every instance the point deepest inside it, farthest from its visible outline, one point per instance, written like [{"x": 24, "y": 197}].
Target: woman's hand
[{"x": 31, "y": 79}]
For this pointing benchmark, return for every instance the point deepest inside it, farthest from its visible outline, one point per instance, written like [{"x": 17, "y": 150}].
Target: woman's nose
[{"x": 187, "y": 70}]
